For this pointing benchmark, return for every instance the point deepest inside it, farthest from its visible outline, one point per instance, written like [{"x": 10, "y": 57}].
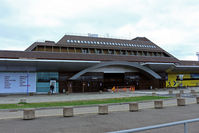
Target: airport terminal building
[{"x": 91, "y": 63}]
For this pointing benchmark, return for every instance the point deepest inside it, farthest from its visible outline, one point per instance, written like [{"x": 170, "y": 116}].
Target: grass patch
[{"x": 82, "y": 102}]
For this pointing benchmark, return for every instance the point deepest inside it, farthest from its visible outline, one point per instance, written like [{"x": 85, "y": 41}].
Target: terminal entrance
[{"x": 113, "y": 79}]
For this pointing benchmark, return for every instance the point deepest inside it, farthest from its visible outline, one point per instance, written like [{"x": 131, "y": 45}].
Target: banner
[{"x": 17, "y": 82}]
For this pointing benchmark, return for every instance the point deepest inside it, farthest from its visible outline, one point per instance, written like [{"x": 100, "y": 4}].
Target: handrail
[{"x": 185, "y": 122}]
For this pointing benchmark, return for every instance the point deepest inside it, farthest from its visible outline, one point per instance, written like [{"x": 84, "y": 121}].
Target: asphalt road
[{"x": 93, "y": 123}]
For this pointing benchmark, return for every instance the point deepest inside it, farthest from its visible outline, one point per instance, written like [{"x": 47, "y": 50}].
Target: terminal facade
[{"x": 91, "y": 63}]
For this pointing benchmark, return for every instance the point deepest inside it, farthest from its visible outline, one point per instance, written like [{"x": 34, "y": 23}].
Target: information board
[{"x": 17, "y": 82}]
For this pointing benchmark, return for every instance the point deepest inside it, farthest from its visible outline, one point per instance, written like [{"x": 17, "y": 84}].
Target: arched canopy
[{"x": 131, "y": 64}]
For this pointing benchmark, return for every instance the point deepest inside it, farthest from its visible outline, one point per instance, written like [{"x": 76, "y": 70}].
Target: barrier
[
  {"x": 197, "y": 100},
  {"x": 158, "y": 104},
  {"x": 185, "y": 123},
  {"x": 68, "y": 111},
  {"x": 29, "y": 114},
  {"x": 181, "y": 102},
  {"x": 133, "y": 107},
  {"x": 170, "y": 92},
  {"x": 103, "y": 109}
]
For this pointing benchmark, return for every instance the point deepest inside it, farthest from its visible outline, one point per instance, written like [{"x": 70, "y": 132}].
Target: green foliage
[{"x": 78, "y": 103}]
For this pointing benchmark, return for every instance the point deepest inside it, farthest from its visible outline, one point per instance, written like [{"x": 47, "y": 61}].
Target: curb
[{"x": 82, "y": 106}]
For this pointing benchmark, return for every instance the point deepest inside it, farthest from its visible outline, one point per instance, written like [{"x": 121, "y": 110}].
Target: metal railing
[{"x": 185, "y": 122}]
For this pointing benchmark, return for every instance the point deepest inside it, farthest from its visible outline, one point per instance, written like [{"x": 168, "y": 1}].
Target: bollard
[
  {"x": 181, "y": 102},
  {"x": 181, "y": 91},
  {"x": 197, "y": 100},
  {"x": 158, "y": 104},
  {"x": 23, "y": 100},
  {"x": 68, "y": 111},
  {"x": 29, "y": 114},
  {"x": 103, "y": 109},
  {"x": 178, "y": 95},
  {"x": 170, "y": 92},
  {"x": 133, "y": 107},
  {"x": 194, "y": 94},
  {"x": 153, "y": 94}
]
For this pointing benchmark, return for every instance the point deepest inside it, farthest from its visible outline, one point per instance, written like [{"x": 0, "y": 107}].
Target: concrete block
[
  {"x": 103, "y": 109},
  {"x": 194, "y": 94},
  {"x": 193, "y": 91},
  {"x": 197, "y": 100},
  {"x": 23, "y": 100},
  {"x": 181, "y": 102},
  {"x": 178, "y": 95},
  {"x": 29, "y": 114},
  {"x": 170, "y": 92},
  {"x": 158, "y": 104},
  {"x": 68, "y": 111},
  {"x": 133, "y": 107},
  {"x": 181, "y": 91}
]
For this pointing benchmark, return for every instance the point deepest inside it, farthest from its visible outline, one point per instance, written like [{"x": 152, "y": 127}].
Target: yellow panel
[{"x": 172, "y": 82}]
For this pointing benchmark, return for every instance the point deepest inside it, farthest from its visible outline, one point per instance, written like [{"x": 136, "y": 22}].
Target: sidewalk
[
  {"x": 84, "y": 96},
  {"x": 91, "y": 109}
]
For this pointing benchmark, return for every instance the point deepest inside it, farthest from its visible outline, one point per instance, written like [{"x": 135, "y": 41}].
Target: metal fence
[{"x": 185, "y": 122}]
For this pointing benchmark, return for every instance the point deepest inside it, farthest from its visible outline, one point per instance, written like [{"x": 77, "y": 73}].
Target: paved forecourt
[
  {"x": 94, "y": 123},
  {"x": 89, "y": 109}
]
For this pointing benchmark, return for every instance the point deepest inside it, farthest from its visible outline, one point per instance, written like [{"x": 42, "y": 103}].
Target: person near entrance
[{"x": 52, "y": 88}]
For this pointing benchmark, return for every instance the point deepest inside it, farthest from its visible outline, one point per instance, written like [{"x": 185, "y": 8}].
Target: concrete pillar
[
  {"x": 181, "y": 91},
  {"x": 158, "y": 104},
  {"x": 178, "y": 95},
  {"x": 29, "y": 114},
  {"x": 153, "y": 94},
  {"x": 170, "y": 92},
  {"x": 23, "y": 100},
  {"x": 197, "y": 100},
  {"x": 133, "y": 107},
  {"x": 103, "y": 109},
  {"x": 68, "y": 111},
  {"x": 181, "y": 102}
]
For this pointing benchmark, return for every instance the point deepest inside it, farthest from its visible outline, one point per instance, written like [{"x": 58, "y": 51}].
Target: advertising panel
[{"x": 17, "y": 82}]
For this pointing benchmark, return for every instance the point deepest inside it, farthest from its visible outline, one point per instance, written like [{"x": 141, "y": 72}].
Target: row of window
[
  {"x": 111, "y": 43},
  {"x": 99, "y": 51},
  {"x": 123, "y": 52}
]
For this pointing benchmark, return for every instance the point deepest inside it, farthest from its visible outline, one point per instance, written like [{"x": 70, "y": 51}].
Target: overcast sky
[{"x": 171, "y": 24}]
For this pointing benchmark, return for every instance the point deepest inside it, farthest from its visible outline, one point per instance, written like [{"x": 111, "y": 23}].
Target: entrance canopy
[{"x": 130, "y": 64}]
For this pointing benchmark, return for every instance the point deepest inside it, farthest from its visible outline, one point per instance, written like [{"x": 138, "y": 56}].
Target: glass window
[
  {"x": 88, "y": 42},
  {"x": 97, "y": 42},
  {"x": 85, "y": 41},
  {"x": 111, "y": 51},
  {"x": 107, "y": 43},
  {"x": 104, "y": 43},
  {"x": 123, "y": 52},
  {"x": 85, "y": 50},
  {"x": 68, "y": 40},
  {"x": 82, "y": 41},
  {"x": 91, "y": 42},
  {"x": 94, "y": 42},
  {"x": 99, "y": 51},
  {"x": 71, "y": 40},
  {"x": 78, "y": 41},
  {"x": 75, "y": 41}
]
